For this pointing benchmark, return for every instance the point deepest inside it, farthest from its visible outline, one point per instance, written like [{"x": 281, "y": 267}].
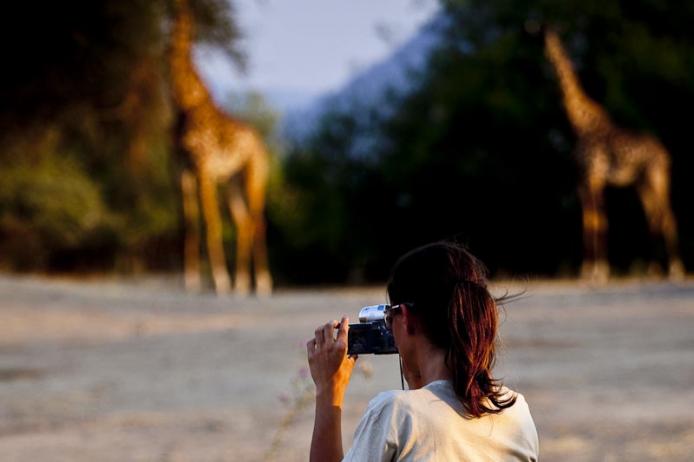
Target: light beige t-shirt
[{"x": 428, "y": 425}]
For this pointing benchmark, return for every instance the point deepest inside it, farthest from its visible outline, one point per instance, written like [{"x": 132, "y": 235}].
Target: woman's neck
[{"x": 430, "y": 364}]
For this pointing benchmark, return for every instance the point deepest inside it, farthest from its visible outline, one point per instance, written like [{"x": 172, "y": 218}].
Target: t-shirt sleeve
[{"x": 375, "y": 438}]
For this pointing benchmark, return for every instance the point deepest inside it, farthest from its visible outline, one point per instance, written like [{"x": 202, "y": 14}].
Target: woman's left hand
[{"x": 330, "y": 366}]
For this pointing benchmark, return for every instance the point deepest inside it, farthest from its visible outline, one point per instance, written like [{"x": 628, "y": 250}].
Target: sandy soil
[{"x": 117, "y": 371}]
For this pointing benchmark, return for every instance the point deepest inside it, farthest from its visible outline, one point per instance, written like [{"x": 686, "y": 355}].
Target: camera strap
[{"x": 402, "y": 379}]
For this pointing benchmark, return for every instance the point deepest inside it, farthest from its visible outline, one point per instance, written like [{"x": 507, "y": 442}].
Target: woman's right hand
[{"x": 331, "y": 367}]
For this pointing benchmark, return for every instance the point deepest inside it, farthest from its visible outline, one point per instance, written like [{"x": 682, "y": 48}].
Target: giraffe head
[
  {"x": 552, "y": 42},
  {"x": 586, "y": 116},
  {"x": 188, "y": 89},
  {"x": 182, "y": 33}
]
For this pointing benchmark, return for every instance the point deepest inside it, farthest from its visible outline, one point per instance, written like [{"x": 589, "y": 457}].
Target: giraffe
[
  {"x": 609, "y": 155},
  {"x": 220, "y": 150}
]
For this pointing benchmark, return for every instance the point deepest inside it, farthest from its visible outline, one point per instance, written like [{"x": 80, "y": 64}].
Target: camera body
[{"x": 370, "y": 335}]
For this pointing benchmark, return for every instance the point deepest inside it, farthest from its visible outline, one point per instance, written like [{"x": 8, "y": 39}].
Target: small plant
[{"x": 300, "y": 395}]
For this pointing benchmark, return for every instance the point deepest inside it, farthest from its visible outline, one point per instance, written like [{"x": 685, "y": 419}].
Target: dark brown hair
[{"x": 447, "y": 286}]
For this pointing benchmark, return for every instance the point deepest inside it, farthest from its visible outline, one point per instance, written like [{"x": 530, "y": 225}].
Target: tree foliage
[
  {"x": 481, "y": 150},
  {"x": 85, "y": 130}
]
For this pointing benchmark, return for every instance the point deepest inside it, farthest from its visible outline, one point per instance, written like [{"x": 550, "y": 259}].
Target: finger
[
  {"x": 320, "y": 339},
  {"x": 329, "y": 332},
  {"x": 344, "y": 327},
  {"x": 311, "y": 346}
]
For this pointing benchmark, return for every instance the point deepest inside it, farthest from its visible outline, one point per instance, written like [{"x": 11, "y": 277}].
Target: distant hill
[{"x": 372, "y": 89}]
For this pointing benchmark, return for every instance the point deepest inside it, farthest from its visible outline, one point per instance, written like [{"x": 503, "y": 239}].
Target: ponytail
[
  {"x": 448, "y": 288},
  {"x": 471, "y": 353}
]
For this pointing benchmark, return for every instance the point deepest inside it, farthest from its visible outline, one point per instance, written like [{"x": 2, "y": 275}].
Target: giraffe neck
[
  {"x": 188, "y": 88},
  {"x": 586, "y": 116}
]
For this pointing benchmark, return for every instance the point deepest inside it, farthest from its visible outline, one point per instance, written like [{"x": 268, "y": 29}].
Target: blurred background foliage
[
  {"x": 479, "y": 151},
  {"x": 88, "y": 179}
]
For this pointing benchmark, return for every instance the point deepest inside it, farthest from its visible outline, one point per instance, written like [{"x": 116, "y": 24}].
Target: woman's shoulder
[
  {"x": 398, "y": 402},
  {"x": 387, "y": 399},
  {"x": 406, "y": 398},
  {"x": 439, "y": 392},
  {"x": 520, "y": 405},
  {"x": 403, "y": 400}
]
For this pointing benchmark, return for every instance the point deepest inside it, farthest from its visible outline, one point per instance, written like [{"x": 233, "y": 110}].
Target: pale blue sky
[{"x": 309, "y": 47}]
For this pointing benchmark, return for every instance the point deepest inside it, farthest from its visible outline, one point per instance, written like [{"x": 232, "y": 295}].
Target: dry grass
[{"x": 114, "y": 371}]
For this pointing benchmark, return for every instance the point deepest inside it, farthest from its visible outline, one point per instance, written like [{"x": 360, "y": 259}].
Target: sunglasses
[{"x": 390, "y": 310}]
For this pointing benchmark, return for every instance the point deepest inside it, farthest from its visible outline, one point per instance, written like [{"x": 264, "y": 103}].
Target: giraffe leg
[
  {"x": 595, "y": 265},
  {"x": 191, "y": 244},
  {"x": 676, "y": 269},
  {"x": 256, "y": 186},
  {"x": 244, "y": 236},
  {"x": 655, "y": 197},
  {"x": 213, "y": 222},
  {"x": 654, "y": 218}
]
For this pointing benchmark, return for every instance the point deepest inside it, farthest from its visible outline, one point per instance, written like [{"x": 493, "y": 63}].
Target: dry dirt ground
[{"x": 118, "y": 371}]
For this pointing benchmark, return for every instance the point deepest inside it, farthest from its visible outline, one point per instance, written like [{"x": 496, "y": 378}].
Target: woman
[{"x": 445, "y": 323}]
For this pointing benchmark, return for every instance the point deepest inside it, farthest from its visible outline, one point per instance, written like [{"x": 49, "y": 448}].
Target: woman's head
[{"x": 447, "y": 288}]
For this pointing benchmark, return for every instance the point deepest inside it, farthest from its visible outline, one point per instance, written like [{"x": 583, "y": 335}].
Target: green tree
[
  {"x": 481, "y": 150},
  {"x": 85, "y": 129}
]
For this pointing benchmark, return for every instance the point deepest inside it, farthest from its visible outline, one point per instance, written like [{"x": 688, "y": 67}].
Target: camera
[{"x": 370, "y": 335}]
